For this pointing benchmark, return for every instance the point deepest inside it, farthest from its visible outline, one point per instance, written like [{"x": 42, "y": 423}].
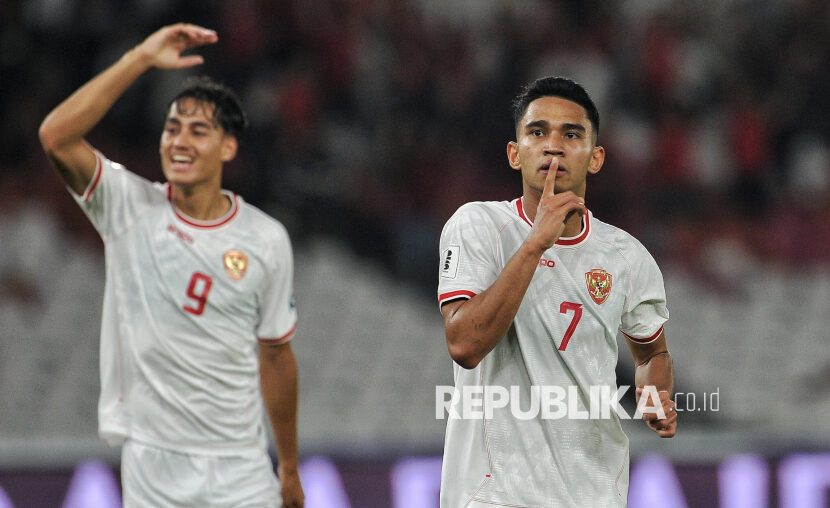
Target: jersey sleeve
[
  {"x": 468, "y": 258},
  {"x": 115, "y": 197},
  {"x": 645, "y": 308},
  {"x": 278, "y": 312}
]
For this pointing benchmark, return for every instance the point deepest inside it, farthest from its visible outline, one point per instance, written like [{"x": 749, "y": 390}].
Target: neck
[
  {"x": 200, "y": 205},
  {"x": 573, "y": 225}
]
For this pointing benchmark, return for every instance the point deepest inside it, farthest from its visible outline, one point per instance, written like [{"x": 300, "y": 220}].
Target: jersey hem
[
  {"x": 499, "y": 503},
  {"x": 207, "y": 449}
]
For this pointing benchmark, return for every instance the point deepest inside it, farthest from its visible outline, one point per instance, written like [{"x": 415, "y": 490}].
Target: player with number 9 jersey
[
  {"x": 198, "y": 302},
  {"x": 184, "y": 303}
]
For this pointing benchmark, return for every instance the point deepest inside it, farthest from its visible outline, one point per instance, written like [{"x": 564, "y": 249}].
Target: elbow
[
  {"x": 465, "y": 357},
  {"x": 54, "y": 138},
  {"x": 463, "y": 342},
  {"x": 48, "y": 137}
]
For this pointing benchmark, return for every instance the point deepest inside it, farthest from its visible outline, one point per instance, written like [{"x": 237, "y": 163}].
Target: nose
[
  {"x": 553, "y": 146},
  {"x": 180, "y": 138}
]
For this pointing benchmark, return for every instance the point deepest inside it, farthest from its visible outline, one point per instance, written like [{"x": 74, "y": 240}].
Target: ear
[
  {"x": 229, "y": 147},
  {"x": 513, "y": 155},
  {"x": 597, "y": 158}
]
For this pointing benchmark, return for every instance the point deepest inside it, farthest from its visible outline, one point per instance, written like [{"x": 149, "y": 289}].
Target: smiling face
[
  {"x": 193, "y": 146},
  {"x": 555, "y": 128}
]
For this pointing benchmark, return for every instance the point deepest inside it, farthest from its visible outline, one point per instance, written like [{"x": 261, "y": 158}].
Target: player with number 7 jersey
[
  {"x": 534, "y": 292},
  {"x": 585, "y": 290}
]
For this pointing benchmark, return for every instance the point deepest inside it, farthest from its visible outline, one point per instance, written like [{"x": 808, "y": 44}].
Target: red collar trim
[
  {"x": 521, "y": 209},
  {"x": 572, "y": 240},
  {"x": 206, "y": 224}
]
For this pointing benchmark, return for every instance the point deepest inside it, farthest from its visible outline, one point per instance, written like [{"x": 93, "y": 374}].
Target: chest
[
  {"x": 218, "y": 271},
  {"x": 593, "y": 274}
]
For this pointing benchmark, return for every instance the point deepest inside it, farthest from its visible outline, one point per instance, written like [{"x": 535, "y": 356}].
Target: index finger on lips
[{"x": 550, "y": 180}]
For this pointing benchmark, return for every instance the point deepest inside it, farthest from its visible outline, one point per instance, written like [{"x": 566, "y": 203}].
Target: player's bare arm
[
  {"x": 654, "y": 367},
  {"x": 278, "y": 376},
  {"x": 474, "y": 327},
  {"x": 62, "y": 131}
]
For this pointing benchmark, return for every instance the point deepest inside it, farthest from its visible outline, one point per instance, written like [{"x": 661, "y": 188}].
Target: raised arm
[
  {"x": 474, "y": 327},
  {"x": 62, "y": 131},
  {"x": 278, "y": 375}
]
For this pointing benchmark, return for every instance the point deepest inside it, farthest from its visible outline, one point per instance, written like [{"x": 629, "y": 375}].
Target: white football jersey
[
  {"x": 585, "y": 289},
  {"x": 184, "y": 305}
]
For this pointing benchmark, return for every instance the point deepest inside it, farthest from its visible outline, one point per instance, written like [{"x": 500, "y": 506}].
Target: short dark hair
[
  {"x": 555, "y": 86},
  {"x": 227, "y": 112}
]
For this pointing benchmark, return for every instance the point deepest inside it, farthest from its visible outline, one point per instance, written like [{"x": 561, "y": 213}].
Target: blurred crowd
[{"x": 373, "y": 120}]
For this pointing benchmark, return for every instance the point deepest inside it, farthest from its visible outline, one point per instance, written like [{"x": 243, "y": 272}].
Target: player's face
[
  {"x": 553, "y": 127},
  {"x": 193, "y": 147}
]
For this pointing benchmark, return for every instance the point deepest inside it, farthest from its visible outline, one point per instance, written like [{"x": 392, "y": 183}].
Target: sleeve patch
[{"x": 449, "y": 261}]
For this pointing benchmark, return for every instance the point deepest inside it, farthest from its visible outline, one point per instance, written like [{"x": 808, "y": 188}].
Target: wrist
[
  {"x": 532, "y": 249},
  {"x": 288, "y": 467},
  {"x": 137, "y": 59}
]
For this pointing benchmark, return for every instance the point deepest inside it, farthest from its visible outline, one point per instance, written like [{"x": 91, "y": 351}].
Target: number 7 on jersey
[{"x": 577, "y": 310}]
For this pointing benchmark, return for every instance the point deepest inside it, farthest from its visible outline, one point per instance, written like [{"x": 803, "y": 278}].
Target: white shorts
[{"x": 162, "y": 478}]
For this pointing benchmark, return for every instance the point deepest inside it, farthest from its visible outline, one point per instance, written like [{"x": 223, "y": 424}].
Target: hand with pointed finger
[
  {"x": 664, "y": 427},
  {"x": 553, "y": 211},
  {"x": 163, "y": 48}
]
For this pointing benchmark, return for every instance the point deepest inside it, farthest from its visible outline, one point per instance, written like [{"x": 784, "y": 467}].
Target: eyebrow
[
  {"x": 174, "y": 120},
  {"x": 565, "y": 126},
  {"x": 574, "y": 127}
]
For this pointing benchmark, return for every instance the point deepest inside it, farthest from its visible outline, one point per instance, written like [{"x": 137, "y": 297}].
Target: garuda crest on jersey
[
  {"x": 599, "y": 284},
  {"x": 236, "y": 262}
]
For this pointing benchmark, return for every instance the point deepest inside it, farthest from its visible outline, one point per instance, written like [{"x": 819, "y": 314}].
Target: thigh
[
  {"x": 245, "y": 481},
  {"x": 162, "y": 478},
  {"x": 157, "y": 477}
]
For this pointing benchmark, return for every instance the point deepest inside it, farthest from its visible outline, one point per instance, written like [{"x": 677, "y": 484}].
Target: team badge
[
  {"x": 235, "y": 264},
  {"x": 599, "y": 284}
]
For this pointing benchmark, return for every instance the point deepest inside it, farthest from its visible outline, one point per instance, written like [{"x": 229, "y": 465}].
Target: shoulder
[
  {"x": 485, "y": 207},
  {"x": 628, "y": 247},
  {"x": 479, "y": 221},
  {"x": 114, "y": 175},
  {"x": 265, "y": 238},
  {"x": 262, "y": 224},
  {"x": 618, "y": 237},
  {"x": 483, "y": 212}
]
